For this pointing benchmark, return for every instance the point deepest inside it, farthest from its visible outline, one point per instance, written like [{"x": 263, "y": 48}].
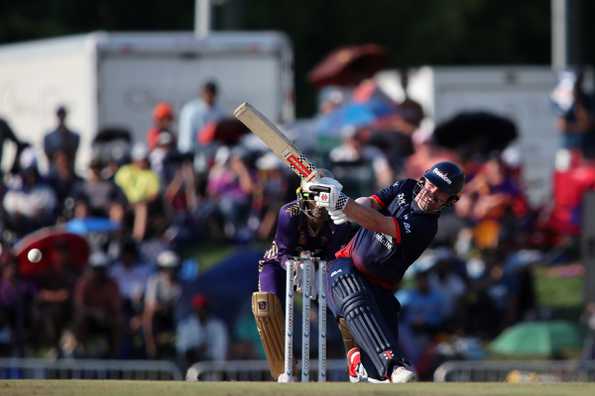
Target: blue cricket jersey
[{"x": 381, "y": 258}]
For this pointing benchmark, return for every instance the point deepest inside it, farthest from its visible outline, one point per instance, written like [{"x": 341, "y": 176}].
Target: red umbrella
[
  {"x": 348, "y": 66},
  {"x": 51, "y": 241}
]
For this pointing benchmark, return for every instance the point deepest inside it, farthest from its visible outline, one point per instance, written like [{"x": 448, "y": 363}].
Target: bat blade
[{"x": 276, "y": 140}]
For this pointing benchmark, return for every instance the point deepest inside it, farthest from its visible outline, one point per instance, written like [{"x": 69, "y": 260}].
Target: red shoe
[{"x": 356, "y": 370}]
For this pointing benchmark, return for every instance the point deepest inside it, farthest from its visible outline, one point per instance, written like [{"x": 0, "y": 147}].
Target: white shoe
[
  {"x": 402, "y": 373},
  {"x": 373, "y": 380},
  {"x": 285, "y": 378}
]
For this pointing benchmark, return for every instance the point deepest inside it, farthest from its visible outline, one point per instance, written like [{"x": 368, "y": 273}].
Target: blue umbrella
[
  {"x": 354, "y": 114},
  {"x": 90, "y": 225}
]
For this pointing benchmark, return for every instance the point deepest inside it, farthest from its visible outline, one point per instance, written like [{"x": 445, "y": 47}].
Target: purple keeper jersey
[
  {"x": 294, "y": 235},
  {"x": 381, "y": 258}
]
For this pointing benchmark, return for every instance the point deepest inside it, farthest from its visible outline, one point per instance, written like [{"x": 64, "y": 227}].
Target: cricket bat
[{"x": 279, "y": 144}]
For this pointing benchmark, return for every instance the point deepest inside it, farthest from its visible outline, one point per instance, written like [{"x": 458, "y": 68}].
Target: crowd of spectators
[{"x": 177, "y": 189}]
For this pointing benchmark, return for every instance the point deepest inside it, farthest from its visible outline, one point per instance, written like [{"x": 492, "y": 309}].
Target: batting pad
[{"x": 270, "y": 323}]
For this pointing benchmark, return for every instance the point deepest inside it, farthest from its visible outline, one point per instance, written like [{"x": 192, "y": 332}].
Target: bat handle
[{"x": 319, "y": 189}]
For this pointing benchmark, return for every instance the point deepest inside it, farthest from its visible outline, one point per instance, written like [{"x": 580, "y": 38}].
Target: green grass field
[{"x": 165, "y": 388}]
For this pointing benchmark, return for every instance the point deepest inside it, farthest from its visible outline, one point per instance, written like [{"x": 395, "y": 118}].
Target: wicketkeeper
[
  {"x": 397, "y": 225},
  {"x": 301, "y": 226}
]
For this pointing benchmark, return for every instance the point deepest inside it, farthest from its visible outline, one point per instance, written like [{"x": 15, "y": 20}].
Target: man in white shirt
[
  {"x": 130, "y": 273},
  {"x": 196, "y": 114},
  {"x": 201, "y": 336}
]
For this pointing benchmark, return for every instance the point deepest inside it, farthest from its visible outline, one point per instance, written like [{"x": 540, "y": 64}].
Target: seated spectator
[
  {"x": 229, "y": 188},
  {"x": 180, "y": 191},
  {"x": 450, "y": 284},
  {"x": 360, "y": 168},
  {"x": 164, "y": 146},
  {"x": 201, "y": 336},
  {"x": 496, "y": 205},
  {"x": 65, "y": 182},
  {"x": 53, "y": 301},
  {"x": 137, "y": 180},
  {"x": 161, "y": 295},
  {"x": 141, "y": 187},
  {"x": 98, "y": 306},
  {"x": 177, "y": 177},
  {"x": 163, "y": 119},
  {"x": 96, "y": 196},
  {"x": 29, "y": 203},
  {"x": 421, "y": 317},
  {"x": 131, "y": 274},
  {"x": 270, "y": 193},
  {"x": 393, "y": 135},
  {"x": 496, "y": 298},
  {"x": 423, "y": 309},
  {"x": 16, "y": 296}
]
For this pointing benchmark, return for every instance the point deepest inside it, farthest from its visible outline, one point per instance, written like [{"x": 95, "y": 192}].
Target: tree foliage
[{"x": 437, "y": 32}]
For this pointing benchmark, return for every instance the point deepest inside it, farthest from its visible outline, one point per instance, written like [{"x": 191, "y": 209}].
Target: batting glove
[
  {"x": 338, "y": 216},
  {"x": 322, "y": 184},
  {"x": 332, "y": 201}
]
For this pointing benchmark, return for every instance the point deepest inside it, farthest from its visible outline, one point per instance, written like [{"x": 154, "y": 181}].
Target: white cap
[
  {"x": 222, "y": 155},
  {"x": 168, "y": 259},
  {"x": 139, "y": 151}
]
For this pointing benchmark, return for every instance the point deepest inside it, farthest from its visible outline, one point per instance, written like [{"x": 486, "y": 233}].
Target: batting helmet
[{"x": 447, "y": 176}]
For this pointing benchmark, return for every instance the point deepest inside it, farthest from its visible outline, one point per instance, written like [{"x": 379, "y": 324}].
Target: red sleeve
[
  {"x": 152, "y": 136},
  {"x": 378, "y": 200}
]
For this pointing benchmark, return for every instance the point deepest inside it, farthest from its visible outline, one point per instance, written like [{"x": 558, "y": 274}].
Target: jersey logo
[
  {"x": 407, "y": 227},
  {"x": 388, "y": 355},
  {"x": 441, "y": 175},
  {"x": 384, "y": 239},
  {"x": 336, "y": 272},
  {"x": 401, "y": 199}
]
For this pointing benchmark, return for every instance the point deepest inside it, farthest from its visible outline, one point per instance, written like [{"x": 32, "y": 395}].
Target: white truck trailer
[{"x": 115, "y": 79}]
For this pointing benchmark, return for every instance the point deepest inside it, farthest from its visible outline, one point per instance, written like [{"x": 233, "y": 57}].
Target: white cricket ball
[{"x": 34, "y": 255}]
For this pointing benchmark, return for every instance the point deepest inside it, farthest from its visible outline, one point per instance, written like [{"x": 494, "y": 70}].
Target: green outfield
[{"x": 166, "y": 388}]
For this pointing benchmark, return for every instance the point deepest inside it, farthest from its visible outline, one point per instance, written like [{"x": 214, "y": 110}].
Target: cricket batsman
[
  {"x": 397, "y": 225},
  {"x": 301, "y": 226}
]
